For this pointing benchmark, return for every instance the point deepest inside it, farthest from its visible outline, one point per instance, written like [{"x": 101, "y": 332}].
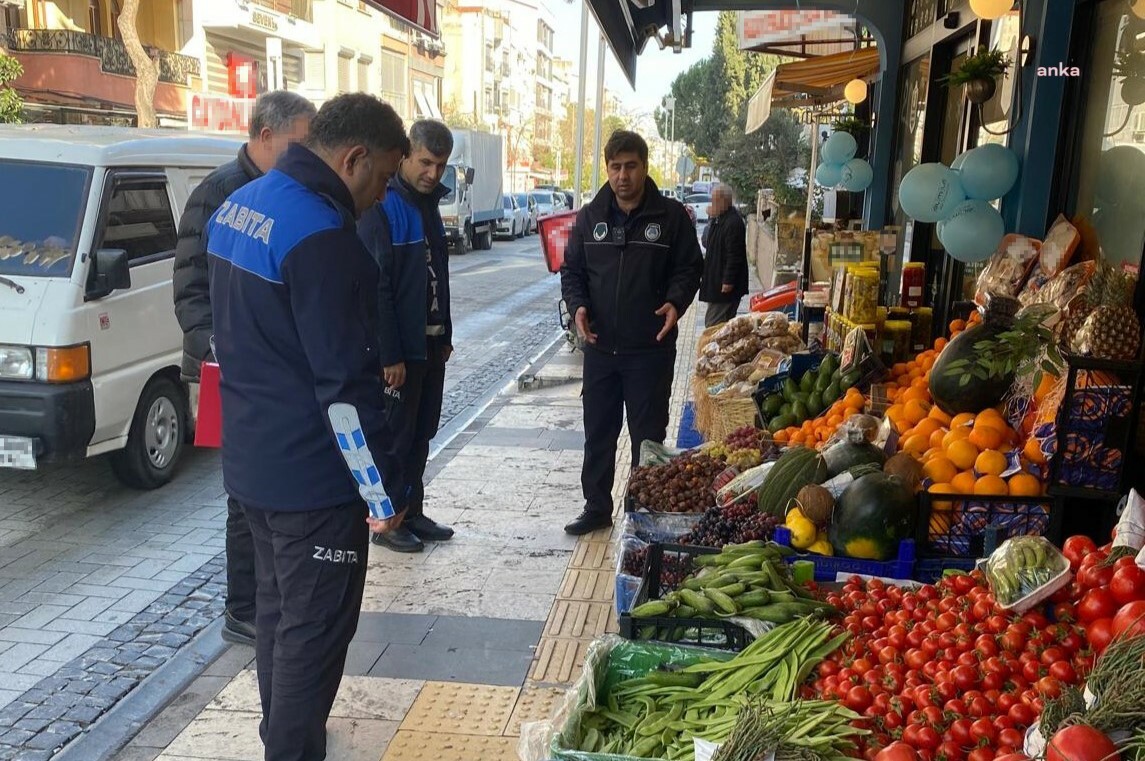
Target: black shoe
[
  {"x": 399, "y": 540},
  {"x": 587, "y": 522},
  {"x": 237, "y": 632},
  {"x": 427, "y": 529}
]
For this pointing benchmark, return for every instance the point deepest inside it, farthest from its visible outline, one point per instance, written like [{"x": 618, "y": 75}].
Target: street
[{"x": 99, "y": 585}]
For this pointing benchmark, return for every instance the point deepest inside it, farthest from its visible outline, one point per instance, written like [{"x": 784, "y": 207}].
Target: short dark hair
[
  {"x": 358, "y": 119},
  {"x": 277, "y": 110},
  {"x": 432, "y": 135},
  {"x": 625, "y": 141}
]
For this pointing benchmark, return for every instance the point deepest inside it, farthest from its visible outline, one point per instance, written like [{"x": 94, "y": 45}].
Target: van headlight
[
  {"x": 51, "y": 364},
  {"x": 449, "y": 220}
]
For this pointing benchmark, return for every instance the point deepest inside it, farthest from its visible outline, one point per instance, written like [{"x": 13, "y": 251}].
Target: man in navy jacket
[
  {"x": 407, "y": 238},
  {"x": 294, "y": 303}
]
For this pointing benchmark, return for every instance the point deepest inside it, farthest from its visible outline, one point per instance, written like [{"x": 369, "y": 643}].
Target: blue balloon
[
  {"x": 957, "y": 163},
  {"x": 839, "y": 148},
  {"x": 857, "y": 175},
  {"x": 988, "y": 171},
  {"x": 828, "y": 175},
  {"x": 930, "y": 192},
  {"x": 973, "y": 232}
]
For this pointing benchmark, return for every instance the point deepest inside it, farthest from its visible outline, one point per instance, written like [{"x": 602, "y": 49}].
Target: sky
[{"x": 655, "y": 68}]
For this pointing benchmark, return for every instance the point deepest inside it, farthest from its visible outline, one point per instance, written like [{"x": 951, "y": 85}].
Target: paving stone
[{"x": 473, "y": 666}]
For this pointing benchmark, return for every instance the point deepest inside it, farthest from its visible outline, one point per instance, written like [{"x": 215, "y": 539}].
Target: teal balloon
[
  {"x": 857, "y": 175},
  {"x": 930, "y": 192},
  {"x": 828, "y": 175},
  {"x": 988, "y": 171},
  {"x": 973, "y": 232},
  {"x": 957, "y": 163},
  {"x": 839, "y": 148}
]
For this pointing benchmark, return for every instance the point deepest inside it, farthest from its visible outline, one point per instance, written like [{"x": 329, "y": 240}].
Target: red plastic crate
[{"x": 555, "y": 230}]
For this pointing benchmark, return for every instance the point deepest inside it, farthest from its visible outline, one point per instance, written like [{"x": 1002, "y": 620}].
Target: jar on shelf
[
  {"x": 923, "y": 325},
  {"x": 896, "y": 344},
  {"x": 865, "y": 296},
  {"x": 913, "y": 285}
]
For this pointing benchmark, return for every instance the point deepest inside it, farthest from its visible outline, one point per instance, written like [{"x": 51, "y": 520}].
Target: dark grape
[{"x": 733, "y": 524}]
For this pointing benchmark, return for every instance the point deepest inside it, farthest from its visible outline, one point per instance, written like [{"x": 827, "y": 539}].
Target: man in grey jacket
[{"x": 279, "y": 119}]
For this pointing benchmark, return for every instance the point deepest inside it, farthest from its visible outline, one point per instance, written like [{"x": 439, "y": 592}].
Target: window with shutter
[
  {"x": 315, "y": 64},
  {"x": 343, "y": 73},
  {"x": 364, "y": 83},
  {"x": 393, "y": 86}
]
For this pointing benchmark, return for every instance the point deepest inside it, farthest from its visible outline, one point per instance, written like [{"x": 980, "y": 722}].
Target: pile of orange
[
  {"x": 815, "y": 433},
  {"x": 968, "y": 455}
]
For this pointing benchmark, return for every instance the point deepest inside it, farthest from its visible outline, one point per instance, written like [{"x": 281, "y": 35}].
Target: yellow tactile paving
[
  {"x": 442, "y": 746},
  {"x": 590, "y": 586},
  {"x": 593, "y": 556},
  {"x": 559, "y": 661},
  {"x": 576, "y": 619},
  {"x": 463, "y": 709},
  {"x": 536, "y": 703}
]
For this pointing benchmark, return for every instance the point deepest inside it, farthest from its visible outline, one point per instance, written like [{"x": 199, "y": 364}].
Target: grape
[
  {"x": 673, "y": 569},
  {"x": 733, "y": 524}
]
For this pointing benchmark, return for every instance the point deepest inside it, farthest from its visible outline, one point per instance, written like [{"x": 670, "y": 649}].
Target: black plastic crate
[
  {"x": 703, "y": 632},
  {"x": 961, "y": 531}
]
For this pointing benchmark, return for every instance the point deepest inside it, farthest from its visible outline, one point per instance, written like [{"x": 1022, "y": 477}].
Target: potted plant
[
  {"x": 1130, "y": 67},
  {"x": 979, "y": 74},
  {"x": 856, "y": 128}
]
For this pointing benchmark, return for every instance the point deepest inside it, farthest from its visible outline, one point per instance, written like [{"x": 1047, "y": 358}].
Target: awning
[
  {"x": 421, "y": 13},
  {"x": 424, "y": 107},
  {"x": 815, "y": 81},
  {"x": 625, "y": 27}
]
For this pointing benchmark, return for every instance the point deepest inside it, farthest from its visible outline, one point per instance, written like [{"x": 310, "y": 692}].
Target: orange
[
  {"x": 992, "y": 417},
  {"x": 991, "y": 462},
  {"x": 936, "y": 413},
  {"x": 915, "y": 410},
  {"x": 1033, "y": 451},
  {"x": 940, "y": 343},
  {"x": 961, "y": 419},
  {"x": 962, "y": 453},
  {"x": 931, "y": 453},
  {"x": 942, "y": 505},
  {"x": 964, "y": 482},
  {"x": 913, "y": 393},
  {"x": 987, "y": 437},
  {"x": 926, "y": 427},
  {"x": 940, "y": 470},
  {"x": 915, "y": 445},
  {"x": 781, "y": 437},
  {"x": 1025, "y": 485},
  {"x": 895, "y": 413},
  {"x": 987, "y": 485},
  {"x": 955, "y": 434},
  {"x": 937, "y": 437},
  {"x": 1045, "y": 386},
  {"x": 957, "y": 325}
]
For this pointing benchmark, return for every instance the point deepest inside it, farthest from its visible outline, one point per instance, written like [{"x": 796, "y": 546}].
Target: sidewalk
[{"x": 459, "y": 645}]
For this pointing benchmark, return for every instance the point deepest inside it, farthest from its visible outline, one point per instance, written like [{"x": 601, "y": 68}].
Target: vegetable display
[{"x": 872, "y": 516}]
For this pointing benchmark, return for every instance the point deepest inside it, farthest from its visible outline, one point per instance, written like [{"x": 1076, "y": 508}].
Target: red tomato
[
  {"x": 1065, "y": 611},
  {"x": 1011, "y": 738},
  {"x": 1048, "y": 687},
  {"x": 1128, "y": 583},
  {"x": 1080, "y": 743},
  {"x": 1096, "y": 604},
  {"x": 960, "y": 732},
  {"x": 928, "y": 738},
  {"x": 1022, "y": 714},
  {"x": 1130, "y": 620},
  {"x": 858, "y": 699},
  {"x": 949, "y": 751},
  {"x": 1077, "y": 547},
  {"x": 1099, "y": 633},
  {"x": 1095, "y": 576},
  {"x": 1052, "y": 655},
  {"x": 1016, "y": 756},
  {"x": 983, "y": 730},
  {"x": 897, "y": 751},
  {"x": 984, "y": 753},
  {"x": 965, "y": 677},
  {"x": 1064, "y": 672}
]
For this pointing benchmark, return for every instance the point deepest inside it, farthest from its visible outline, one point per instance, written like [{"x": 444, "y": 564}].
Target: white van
[{"x": 89, "y": 344}]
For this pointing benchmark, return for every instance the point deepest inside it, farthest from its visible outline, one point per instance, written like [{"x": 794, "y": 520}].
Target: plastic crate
[
  {"x": 689, "y": 437},
  {"x": 713, "y": 633},
  {"x": 960, "y": 531},
  {"x": 828, "y": 567},
  {"x": 930, "y": 570}
]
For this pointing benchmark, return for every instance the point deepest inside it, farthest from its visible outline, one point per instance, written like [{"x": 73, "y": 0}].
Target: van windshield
[
  {"x": 41, "y": 211},
  {"x": 449, "y": 180}
]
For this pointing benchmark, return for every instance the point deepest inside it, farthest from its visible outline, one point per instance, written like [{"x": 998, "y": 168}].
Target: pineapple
[{"x": 1104, "y": 324}]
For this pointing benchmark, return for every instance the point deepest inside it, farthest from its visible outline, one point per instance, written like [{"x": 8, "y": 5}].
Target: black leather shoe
[
  {"x": 587, "y": 522},
  {"x": 427, "y": 529},
  {"x": 237, "y": 632},
  {"x": 399, "y": 540}
]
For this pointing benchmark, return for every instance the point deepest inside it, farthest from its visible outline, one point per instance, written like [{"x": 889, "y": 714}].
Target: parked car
[
  {"x": 512, "y": 224},
  {"x": 530, "y": 207},
  {"x": 698, "y": 203},
  {"x": 549, "y": 202}
]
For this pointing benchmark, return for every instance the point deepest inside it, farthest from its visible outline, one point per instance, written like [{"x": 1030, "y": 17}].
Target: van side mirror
[
  {"x": 469, "y": 175},
  {"x": 110, "y": 272}
]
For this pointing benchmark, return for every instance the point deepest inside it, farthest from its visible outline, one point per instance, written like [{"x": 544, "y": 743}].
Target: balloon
[
  {"x": 857, "y": 175},
  {"x": 972, "y": 233},
  {"x": 828, "y": 175},
  {"x": 988, "y": 171},
  {"x": 839, "y": 148},
  {"x": 930, "y": 192},
  {"x": 957, "y": 163}
]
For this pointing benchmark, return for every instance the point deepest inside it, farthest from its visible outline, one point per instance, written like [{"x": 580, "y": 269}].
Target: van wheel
[
  {"x": 485, "y": 239},
  {"x": 155, "y": 440}
]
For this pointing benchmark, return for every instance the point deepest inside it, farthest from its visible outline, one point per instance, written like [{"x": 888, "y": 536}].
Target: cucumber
[
  {"x": 696, "y": 600},
  {"x": 721, "y": 601},
  {"x": 754, "y": 599},
  {"x": 771, "y": 405},
  {"x": 651, "y": 609}
]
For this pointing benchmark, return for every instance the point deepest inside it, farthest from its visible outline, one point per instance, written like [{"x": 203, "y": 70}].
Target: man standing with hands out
[
  {"x": 407, "y": 238},
  {"x": 631, "y": 269}
]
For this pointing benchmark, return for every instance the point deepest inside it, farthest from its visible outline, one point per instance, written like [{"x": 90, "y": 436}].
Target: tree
[
  {"x": 765, "y": 158},
  {"x": 146, "y": 68},
  {"x": 455, "y": 117},
  {"x": 11, "y": 104}
]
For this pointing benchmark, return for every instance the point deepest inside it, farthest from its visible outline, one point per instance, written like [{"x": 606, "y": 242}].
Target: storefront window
[
  {"x": 910, "y": 129},
  {"x": 1111, "y": 168},
  {"x": 998, "y": 111}
]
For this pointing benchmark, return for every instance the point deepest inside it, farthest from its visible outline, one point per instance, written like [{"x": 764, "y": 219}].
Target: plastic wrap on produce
[
  {"x": 655, "y": 453},
  {"x": 1130, "y": 530},
  {"x": 658, "y": 527}
]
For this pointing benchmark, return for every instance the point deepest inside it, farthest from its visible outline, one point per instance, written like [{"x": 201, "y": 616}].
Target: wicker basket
[
  {"x": 703, "y": 400},
  {"x": 706, "y": 338},
  {"x": 728, "y": 415}
]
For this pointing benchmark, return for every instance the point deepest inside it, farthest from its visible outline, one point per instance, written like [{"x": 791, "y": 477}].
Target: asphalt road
[{"x": 99, "y": 584}]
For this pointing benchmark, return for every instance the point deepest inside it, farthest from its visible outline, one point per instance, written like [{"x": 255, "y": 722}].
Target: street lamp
[{"x": 670, "y": 105}]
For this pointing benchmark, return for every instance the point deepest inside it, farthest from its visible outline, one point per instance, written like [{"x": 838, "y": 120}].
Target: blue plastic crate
[
  {"x": 930, "y": 570},
  {"x": 827, "y": 567},
  {"x": 689, "y": 437}
]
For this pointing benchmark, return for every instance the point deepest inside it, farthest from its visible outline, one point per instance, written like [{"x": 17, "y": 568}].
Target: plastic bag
[
  {"x": 665, "y": 528},
  {"x": 655, "y": 453},
  {"x": 1008, "y": 268},
  {"x": 773, "y": 324},
  {"x": 744, "y": 486},
  {"x": 1130, "y": 529},
  {"x": 735, "y": 329},
  {"x": 1024, "y": 571}
]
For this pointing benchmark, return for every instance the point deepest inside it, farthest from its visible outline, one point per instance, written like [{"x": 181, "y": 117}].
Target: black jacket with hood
[
  {"x": 726, "y": 258},
  {"x": 190, "y": 281},
  {"x": 622, "y": 268}
]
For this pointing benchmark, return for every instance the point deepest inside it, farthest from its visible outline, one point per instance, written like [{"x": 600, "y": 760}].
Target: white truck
[{"x": 471, "y": 210}]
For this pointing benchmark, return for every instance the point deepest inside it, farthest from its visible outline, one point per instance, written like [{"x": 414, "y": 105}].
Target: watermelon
[
  {"x": 957, "y": 388},
  {"x": 874, "y": 514}
]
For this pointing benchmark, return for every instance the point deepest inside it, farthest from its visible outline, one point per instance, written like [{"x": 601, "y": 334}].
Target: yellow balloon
[
  {"x": 1138, "y": 8},
  {"x": 856, "y": 90},
  {"x": 991, "y": 9}
]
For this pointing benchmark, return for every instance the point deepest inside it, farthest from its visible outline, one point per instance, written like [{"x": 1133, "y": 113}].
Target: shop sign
[
  {"x": 263, "y": 20},
  {"x": 219, "y": 113},
  {"x": 758, "y": 28}
]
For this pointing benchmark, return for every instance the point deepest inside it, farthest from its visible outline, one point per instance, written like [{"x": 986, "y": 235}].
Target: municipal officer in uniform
[
  {"x": 632, "y": 267},
  {"x": 294, "y": 303}
]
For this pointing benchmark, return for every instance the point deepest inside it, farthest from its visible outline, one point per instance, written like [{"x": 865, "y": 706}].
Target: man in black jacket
[
  {"x": 279, "y": 119},
  {"x": 632, "y": 267},
  {"x": 407, "y": 238},
  {"x": 725, "y": 261}
]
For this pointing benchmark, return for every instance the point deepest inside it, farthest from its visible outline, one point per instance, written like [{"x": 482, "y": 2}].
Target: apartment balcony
[
  {"x": 299, "y": 9},
  {"x": 174, "y": 68}
]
